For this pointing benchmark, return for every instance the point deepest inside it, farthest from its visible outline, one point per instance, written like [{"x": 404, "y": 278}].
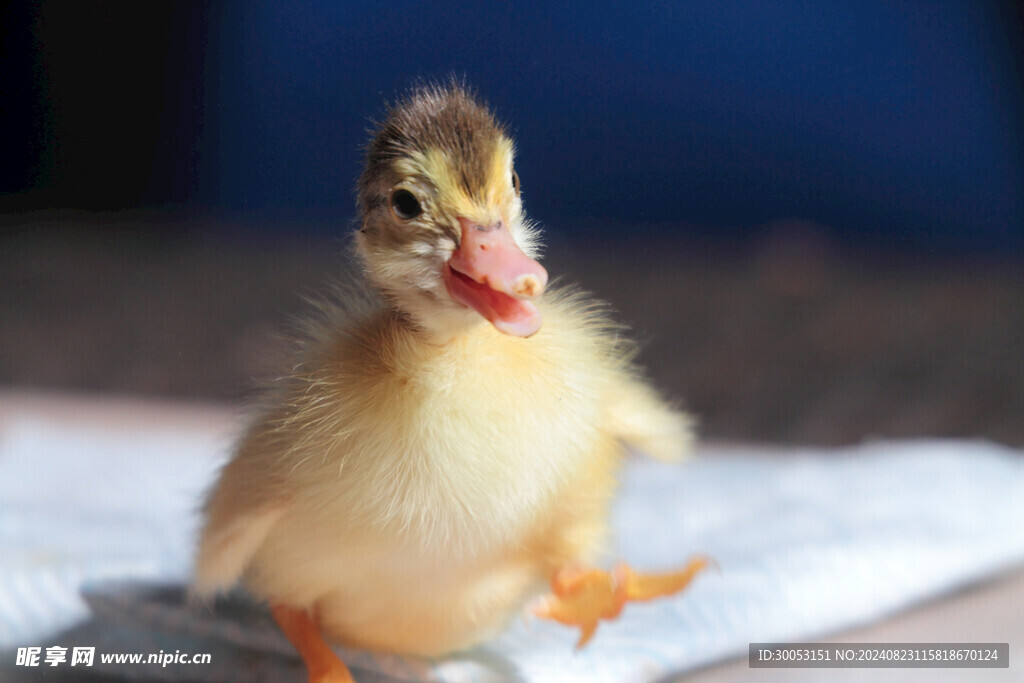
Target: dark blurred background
[{"x": 812, "y": 213}]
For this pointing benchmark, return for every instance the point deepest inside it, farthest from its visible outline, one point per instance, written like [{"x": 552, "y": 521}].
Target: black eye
[
  {"x": 515, "y": 182},
  {"x": 405, "y": 205}
]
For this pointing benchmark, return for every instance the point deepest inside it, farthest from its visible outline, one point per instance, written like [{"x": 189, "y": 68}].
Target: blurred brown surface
[
  {"x": 787, "y": 340},
  {"x": 978, "y": 613}
]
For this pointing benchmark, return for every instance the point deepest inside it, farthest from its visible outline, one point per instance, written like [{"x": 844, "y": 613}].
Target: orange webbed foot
[
  {"x": 582, "y": 597},
  {"x": 640, "y": 587},
  {"x": 322, "y": 664}
]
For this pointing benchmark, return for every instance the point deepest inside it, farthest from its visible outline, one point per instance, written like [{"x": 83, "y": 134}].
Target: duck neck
[{"x": 440, "y": 325}]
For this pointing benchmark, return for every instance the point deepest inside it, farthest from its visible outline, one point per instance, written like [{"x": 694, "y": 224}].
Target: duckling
[{"x": 430, "y": 462}]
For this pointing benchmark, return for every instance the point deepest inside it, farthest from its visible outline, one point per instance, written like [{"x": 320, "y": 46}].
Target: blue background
[{"x": 890, "y": 123}]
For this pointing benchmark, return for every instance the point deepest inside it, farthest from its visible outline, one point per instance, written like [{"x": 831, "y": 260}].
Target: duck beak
[{"x": 490, "y": 274}]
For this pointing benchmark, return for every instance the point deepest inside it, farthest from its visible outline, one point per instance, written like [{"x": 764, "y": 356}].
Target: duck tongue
[{"x": 491, "y": 274}]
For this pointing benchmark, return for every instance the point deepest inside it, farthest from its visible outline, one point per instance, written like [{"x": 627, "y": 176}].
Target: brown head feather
[{"x": 433, "y": 117}]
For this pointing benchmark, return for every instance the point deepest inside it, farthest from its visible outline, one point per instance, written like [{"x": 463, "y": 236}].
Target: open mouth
[
  {"x": 507, "y": 313},
  {"x": 490, "y": 273}
]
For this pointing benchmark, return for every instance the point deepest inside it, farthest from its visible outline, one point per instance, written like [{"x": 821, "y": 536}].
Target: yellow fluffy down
[{"x": 413, "y": 494}]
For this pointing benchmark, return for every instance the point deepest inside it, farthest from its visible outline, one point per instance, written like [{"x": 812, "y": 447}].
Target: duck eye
[
  {"x": 515, "y": 182},
  {"x": 405, "y": 205}
]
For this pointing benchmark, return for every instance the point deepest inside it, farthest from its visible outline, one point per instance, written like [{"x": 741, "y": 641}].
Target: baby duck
[{"x": 429, "y": 463}]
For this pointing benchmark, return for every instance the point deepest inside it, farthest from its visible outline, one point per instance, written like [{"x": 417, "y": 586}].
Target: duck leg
[
  {"x": 321, "y": 662},
  {"x": 582, "y": 597}
]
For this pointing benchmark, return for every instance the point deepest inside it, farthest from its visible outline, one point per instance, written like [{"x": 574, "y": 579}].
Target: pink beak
[{"x": 491, "y": 274}]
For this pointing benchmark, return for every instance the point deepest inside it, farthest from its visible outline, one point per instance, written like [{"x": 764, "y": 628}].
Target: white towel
[{"x": 808, "y": 540}]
